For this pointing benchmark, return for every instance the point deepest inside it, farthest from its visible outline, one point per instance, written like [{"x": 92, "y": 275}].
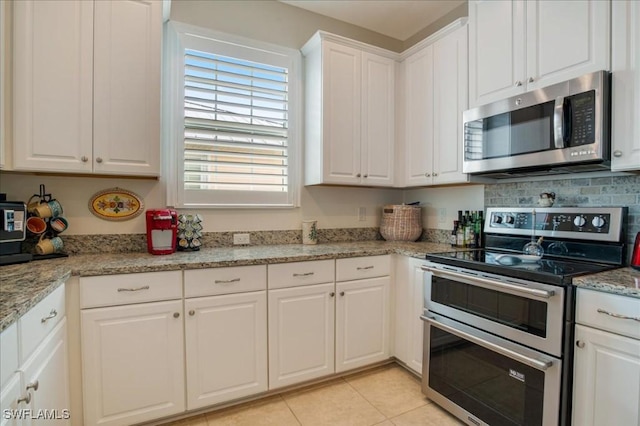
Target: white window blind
[
  {"x": 235, "y": 124},
  {"x": 236, "y": 111}
]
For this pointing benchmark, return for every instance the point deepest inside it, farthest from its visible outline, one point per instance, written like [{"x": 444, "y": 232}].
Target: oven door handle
[
  {"x": 531, "y": 362},
  {"x": 546, "y": 294}
]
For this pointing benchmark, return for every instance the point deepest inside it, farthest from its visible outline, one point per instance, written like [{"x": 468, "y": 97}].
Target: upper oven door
[
  {"x": 531, "y": 314},
  {"x": 560, "y": 124}
]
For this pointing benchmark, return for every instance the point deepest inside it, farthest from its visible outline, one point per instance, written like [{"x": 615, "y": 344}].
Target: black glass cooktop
[{"x": 545, "y": 270}]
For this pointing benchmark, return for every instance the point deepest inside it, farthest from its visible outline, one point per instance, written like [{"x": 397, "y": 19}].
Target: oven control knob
[
  {"x": 598, "y": 222},
  {"x": 496, "y": 219},
  {"x": 509, "y": 219},
  {"x": 579, "y": 221}
]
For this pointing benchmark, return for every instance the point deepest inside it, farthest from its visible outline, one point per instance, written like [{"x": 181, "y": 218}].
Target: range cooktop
[{"x": 544, "y": 270}]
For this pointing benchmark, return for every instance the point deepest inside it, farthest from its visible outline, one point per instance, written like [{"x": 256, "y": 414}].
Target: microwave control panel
[{"x": 582, "y": 110}]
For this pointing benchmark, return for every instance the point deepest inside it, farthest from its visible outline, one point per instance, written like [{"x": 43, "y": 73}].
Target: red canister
[{"x": 635, "y": 257}]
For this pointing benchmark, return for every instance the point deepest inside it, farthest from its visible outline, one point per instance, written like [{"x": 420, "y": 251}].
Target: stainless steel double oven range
[{"x": 499, "y": 326}]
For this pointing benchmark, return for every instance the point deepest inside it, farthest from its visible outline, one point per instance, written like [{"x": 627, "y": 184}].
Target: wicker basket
[{"x": 401, "y": 223}]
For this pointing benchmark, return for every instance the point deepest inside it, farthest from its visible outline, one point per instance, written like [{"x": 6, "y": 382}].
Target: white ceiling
[{"x": 398, "y": 19}]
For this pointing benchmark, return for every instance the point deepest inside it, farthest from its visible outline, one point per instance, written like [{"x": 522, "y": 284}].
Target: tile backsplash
[{"x": 610, "y": 191}]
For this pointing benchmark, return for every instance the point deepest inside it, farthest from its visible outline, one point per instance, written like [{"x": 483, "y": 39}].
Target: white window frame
[{"x": 178, "y": 37}]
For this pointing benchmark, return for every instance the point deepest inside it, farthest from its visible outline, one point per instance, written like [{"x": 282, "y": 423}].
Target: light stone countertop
[
  {"x": 22, "y": 286},
  {"x": 623, "y": 281}
]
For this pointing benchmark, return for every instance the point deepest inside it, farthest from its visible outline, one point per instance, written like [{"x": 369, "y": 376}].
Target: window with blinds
[{"x": 235, "y": 141}]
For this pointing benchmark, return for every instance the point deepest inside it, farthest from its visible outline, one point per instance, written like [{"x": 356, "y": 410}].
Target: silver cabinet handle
[
  {"x": 176, "y": 314},
  {"x": 619, "y": 316},
  {"x": 518, "y": 83},
  {"x": 192, "y": 312},
  {"x": 435, "y": 174},
  {"x": 358, "y": 175},
  {"x": 531, "y": 362},
  {"x": 365, "y": 176},
  {"x": 427, "y": 175},
  {"x": 235, "y": 280},
  {"x": 332, "y": 294},
  {"x": 483, "y": 282},
  {"x": 530, "y": 80},
  {"x": 84, "y": 159},
  {"x": 580, "y": 344},
  {"x": 146, "y": 287},
  {"x": 617, "y": 153},
  {"x": 362, "y": 268},
  {"x": 306, "y": 274},
  {"x": 99, "y": 160},
  {"x": 33, "y": 385},
  {"x": 342, "y": 293},
  {"x": 51, "y": 315},
  {"x": 25, "y": 399}
]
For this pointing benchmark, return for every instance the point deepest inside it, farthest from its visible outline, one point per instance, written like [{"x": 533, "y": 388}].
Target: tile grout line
[
  {"x": 368, "y": 402},
  {"x": 291, "y": 410}
]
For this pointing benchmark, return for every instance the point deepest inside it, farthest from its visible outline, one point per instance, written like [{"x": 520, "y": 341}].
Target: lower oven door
[
  {"x": 523, "y": 311},
  {"x": 483, "y": 379}
]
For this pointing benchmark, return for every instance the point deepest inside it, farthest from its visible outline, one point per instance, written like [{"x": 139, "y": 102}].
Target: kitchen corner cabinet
[
  {"x": 132, "y": 347},
  {"x": 409, "y": 304},
  {"x": 625, "y": 58},
  {"x": 606, "y": 385},
  {"x": 362, "y": 311},
  {"x": 435, "y": 95},
  {"x": 87, "y": 86},
  {"x": 225, "y": 334},
  {"x": 517, "y": 46},
  {"x": 350, "y": 98}
]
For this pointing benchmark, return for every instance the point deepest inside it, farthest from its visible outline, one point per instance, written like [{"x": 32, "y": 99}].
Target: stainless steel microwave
[{"x": 562, "y": 128}]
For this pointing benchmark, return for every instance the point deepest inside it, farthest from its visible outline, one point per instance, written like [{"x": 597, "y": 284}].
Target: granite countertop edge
[{"x": 23, "y": 286}]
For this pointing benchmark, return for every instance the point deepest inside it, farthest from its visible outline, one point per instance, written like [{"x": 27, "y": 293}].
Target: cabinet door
[
  {"x": 378, "y": 117},
  {"x": 496, "y": 50},
  {"x": 416, "y": 325},
  {"x": 341, "y": 111},
  {"x": 53, "y": 83},
  {"x": 606, "y": 389},
  {"x": 226, "y": 346},
  {"x": 46, "y": 378},
  {"x": 126, "y": 123},
  {"x": 301, "y": 334},
  {"x": 9, "y": 395},
  {"x": 362, "y": 322},
  {"x": 418, "y": 118},
  {"x": 133, "y": 362},
  {"x": 450, "y": 100},
  {"x": 566, "y": 39},
  {"x": 625, "y": 131}
]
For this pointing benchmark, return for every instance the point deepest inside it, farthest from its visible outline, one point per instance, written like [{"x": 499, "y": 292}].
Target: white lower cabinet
[
  {"x": 362, "y": 322},
  {"x": 409, "y": 305},
  {"x": 606, "y": 384},
  {"x": 226, "y": 347},
  {"x": 133, "y": 362},
  {"x": 301, "y": 333},
  {"x": 9, "y": 396}
]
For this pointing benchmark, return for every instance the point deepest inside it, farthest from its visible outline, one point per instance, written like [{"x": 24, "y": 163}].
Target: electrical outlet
[
  {"x": 239, "y": 239},
  {"x": 442, "y": 215},
  {"x": 362, "y": 214}
]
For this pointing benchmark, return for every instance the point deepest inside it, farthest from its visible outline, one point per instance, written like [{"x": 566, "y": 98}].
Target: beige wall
[
  {"x": 458, "y": 12},
  {"x": 333, "y": 207}
]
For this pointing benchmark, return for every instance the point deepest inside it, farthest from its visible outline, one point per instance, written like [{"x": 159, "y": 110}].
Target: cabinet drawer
[
  {"x": 110, "y": 290},
  {"x": 589, "y": 303},
  {"x": 362, "y": 267},
  {"x": 39, "y": 321},
  {"x": 235, "y": 279},
  {"x": 301, "y": 273},
  {"x": 8, "y": 353}
]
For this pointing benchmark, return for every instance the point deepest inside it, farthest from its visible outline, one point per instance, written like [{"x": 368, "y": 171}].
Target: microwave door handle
[{"x": 558, "y": 123}]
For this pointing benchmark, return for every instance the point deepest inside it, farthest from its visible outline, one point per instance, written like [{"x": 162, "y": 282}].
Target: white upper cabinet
[
  {"x": 350, "y": 98},
  {"x": 435, "y": 84},
  {"x": 517, "y": 46},
  {"x": 87, "y": 86},
  {"x": 625, "y": 58}
]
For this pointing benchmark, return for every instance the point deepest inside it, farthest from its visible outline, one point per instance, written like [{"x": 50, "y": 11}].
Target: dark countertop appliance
[
  {"x": 13, "y": 217},
  {"x": 499, "y": 324}
]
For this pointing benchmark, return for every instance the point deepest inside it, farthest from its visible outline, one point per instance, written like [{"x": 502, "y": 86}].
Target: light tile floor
[{"x": 384, "y": 396}]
